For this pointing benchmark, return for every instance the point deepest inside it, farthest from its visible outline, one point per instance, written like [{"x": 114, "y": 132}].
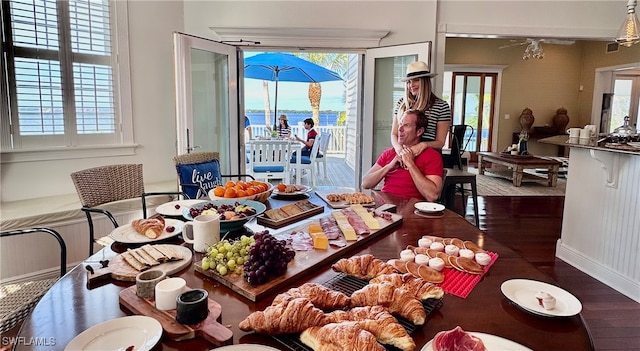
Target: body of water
[{"x": 326, "y": 118}]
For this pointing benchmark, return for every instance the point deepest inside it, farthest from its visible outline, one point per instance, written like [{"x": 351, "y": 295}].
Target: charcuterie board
[
  {"x": 209, "y": 329},
  {"x": 302, "y": 264},
  {"x": 118, "y": 269},
  {"x": 311, "y": 211}
]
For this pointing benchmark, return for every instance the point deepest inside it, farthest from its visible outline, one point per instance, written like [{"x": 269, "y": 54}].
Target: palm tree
[{"x": 336, "y": 62}]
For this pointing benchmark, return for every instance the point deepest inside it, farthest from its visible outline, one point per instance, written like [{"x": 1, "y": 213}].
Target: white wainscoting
[{"x": 601, "y": 221}]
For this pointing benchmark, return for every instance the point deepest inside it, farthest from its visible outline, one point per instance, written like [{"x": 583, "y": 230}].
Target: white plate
[
  {"x": 169, "y": 208},
  {"x": 523, "y": 293},
  {"x": 635, "y": 144},
  {"x": 118, "y": 334},
  {"x": 428, "y": 207},
  {"x": 305, "y": 189},
  {"x": 245, "y": 347},
  {"x": 491, "y": 342},
  {"x": 126, "y": 234}
]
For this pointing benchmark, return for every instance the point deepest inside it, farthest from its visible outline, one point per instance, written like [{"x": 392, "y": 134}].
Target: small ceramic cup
[
  {"x": 167, "y": 291},
  {"x": 192, "y": 306},
  {"x": 146, "y": 282}
]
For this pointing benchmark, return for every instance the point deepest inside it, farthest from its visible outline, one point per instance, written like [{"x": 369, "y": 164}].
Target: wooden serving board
[
  {"x": 210, "y": 329},
  {"x": 302, "y": 264},
  {"x": 118, "y": 269},
  {"x": 272, "y": 223},
  {"x": 338, "y": 204}
]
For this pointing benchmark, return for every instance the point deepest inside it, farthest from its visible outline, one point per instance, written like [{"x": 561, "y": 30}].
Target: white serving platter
[{"x": 523, "y": 292}]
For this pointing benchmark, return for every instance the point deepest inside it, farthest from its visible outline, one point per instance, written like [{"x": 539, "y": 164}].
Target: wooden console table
[{"x": 518, "y": 164}]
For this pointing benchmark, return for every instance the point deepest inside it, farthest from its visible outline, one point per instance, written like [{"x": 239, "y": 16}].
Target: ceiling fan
[{"x": 534, "y": 46}]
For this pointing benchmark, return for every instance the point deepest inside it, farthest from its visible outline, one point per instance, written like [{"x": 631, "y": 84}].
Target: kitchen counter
[
  {"x": 601, "y": 217},
  {"x": 593, "y": 144}
]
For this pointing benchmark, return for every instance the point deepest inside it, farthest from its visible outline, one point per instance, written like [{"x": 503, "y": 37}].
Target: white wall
[{"x": 152, "y": 22}]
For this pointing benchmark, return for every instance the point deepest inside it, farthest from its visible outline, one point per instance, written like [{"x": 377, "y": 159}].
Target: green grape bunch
[{"x": 228, "y": 256}]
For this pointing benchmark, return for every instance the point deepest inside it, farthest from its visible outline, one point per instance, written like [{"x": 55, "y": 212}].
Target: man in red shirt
[
  {"x": 311, "y": 137},
  {"x": 404, "y": 174}
]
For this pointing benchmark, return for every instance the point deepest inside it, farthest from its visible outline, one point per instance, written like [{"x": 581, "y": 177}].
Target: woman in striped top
[
  {"x": 419, "y": 95},
  {"x": 284, "y": 131}
]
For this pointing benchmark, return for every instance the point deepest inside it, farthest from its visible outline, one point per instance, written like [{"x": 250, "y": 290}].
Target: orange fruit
[
  {"x": 230, "y": 192},
  {"x": 230, "y": 184},
  {"x": 218, "y": 191},
  {"x": 282, "y": 187},
  {"x": 241, "y": 193},
  {"x": 250, "y": 191},
  {"x": 241, "y": 184}
]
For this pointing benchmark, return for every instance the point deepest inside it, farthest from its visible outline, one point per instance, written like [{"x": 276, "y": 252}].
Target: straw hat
[
  {"x": 284, "y": 117},
  {"x": 416, "y": 70}
]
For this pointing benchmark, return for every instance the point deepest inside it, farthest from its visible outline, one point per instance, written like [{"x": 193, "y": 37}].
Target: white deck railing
[{"x": 337, "y": 144}]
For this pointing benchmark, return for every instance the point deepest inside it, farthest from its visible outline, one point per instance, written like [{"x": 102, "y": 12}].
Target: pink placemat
[{"x": 459, "y": 283}]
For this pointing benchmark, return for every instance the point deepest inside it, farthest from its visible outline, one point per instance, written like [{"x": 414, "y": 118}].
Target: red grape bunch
[{"x": 268, "y": 258}]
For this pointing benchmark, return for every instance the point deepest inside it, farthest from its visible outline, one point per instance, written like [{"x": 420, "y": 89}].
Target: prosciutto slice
[
  {"x": 456, "y": 340},
  {"x": 356, "y": 222},
  {"x": 330, "y": 227}
]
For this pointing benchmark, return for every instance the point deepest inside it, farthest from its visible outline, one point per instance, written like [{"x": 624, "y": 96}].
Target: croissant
[
  {"x": 377, "y": 321},
  {"x": 398, "y": 301},
  {"x": 420, "y": 288},
  {"x": 151, "y": 227},
  {"x": 320, "y": 296},
  {"x": 362, "y": 267},
  {"x": 291, "y": 316},
  {"x": 338, "y": 337}
]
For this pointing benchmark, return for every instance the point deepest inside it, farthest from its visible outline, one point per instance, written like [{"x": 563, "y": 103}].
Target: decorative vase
[
  {"x": 560, "y": 121},
  {"x": 526, "y": 120}
]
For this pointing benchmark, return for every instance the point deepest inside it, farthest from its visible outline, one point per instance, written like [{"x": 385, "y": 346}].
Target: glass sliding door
[
  {"x": 626, "y": 100},
  {"x": 382, "y": 88},
  {"x": 207, "y": 99}
]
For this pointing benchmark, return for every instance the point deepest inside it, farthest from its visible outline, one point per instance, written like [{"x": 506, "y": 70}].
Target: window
[{"x": 60, "y": 75}]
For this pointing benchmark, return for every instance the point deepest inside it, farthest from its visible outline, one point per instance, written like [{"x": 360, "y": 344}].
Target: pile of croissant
[
  {"x": 151, "y": 227},
  {"x": 330, "y": 320}
]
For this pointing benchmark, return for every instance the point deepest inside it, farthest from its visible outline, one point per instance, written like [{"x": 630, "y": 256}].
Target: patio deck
[{"x": 339, "y": 174}]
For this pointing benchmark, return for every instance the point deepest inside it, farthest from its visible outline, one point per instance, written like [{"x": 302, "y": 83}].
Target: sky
[{"x": 292, "y": 95}]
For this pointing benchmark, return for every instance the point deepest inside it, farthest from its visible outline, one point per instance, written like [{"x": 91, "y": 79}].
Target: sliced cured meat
[
  {"x": 457, "y": 340},
  {"x": 330, "y": 227},
  {"x": 356, "y": 222}
]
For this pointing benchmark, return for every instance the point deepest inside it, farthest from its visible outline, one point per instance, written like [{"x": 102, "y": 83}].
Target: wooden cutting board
[
  {"x": 301, "y": 265},
  {"x": 209, "y": 329},
  {"x": 118, "y": 269},
  {"x": 339, "y": 204}
]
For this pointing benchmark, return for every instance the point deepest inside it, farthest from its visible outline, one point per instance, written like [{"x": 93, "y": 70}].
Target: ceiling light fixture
[
  {"x": 629, "y": 32},
  {"x": 533, "y": 50}
]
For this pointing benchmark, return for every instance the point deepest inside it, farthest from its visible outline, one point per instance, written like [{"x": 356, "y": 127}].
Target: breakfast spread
[{"x": 150, "y": 227}]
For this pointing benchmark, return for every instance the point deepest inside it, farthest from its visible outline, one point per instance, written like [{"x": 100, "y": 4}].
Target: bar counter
[{"x": 70, "y": 308}]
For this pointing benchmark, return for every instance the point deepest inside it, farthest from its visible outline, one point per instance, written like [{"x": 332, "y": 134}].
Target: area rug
[{"x": 489, "y": 185}]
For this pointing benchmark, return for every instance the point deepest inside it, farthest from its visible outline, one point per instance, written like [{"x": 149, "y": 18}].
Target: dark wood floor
[{"x": 531, "y": 226}]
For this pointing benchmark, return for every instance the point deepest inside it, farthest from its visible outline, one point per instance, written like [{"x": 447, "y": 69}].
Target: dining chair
[
  {"x": 199, "y": 172},
  {"x": 17, "y": 300},
  {"x": 102, "y": 185},
  {"x": 307, "y": 162},
  {"x": 460, "y": 137},
  {"x": 269, "y": 160},
  {"x": 322, "y": 152}
]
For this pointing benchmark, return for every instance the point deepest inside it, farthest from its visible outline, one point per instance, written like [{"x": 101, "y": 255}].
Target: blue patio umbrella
[{"x": 284, "y": 67}]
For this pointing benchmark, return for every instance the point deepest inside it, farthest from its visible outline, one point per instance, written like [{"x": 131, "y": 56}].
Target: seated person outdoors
[
  {"x": 311, "y": 137},
  {"x": 404, "y": 174}
]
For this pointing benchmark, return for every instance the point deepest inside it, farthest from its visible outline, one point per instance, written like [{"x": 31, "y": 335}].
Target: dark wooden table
[
  {"x": 70, "y": 308},
  {"x": 518, "y": 164}
]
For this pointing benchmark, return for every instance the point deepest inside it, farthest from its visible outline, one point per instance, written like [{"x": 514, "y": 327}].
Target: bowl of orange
[{"x": 242, "y": 190}]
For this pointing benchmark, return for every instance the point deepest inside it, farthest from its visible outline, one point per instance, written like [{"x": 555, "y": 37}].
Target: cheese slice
[
  {"x": 366, "y": 216},
  {"x": 346, "y": 228},
  {"x": 320, "y": 241},
  {"x": 314, "y": 227}
]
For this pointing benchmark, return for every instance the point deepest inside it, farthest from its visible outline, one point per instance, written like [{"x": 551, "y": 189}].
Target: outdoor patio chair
[
  {"x": 322, "y": 152},
  {"x": 106, "y": 184},
  {"x": 269, "y": 160},
  {"x": 17, "y": 300},
  {"x": 207, "y": 165},
  {"x": 307, "y": 162}
]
